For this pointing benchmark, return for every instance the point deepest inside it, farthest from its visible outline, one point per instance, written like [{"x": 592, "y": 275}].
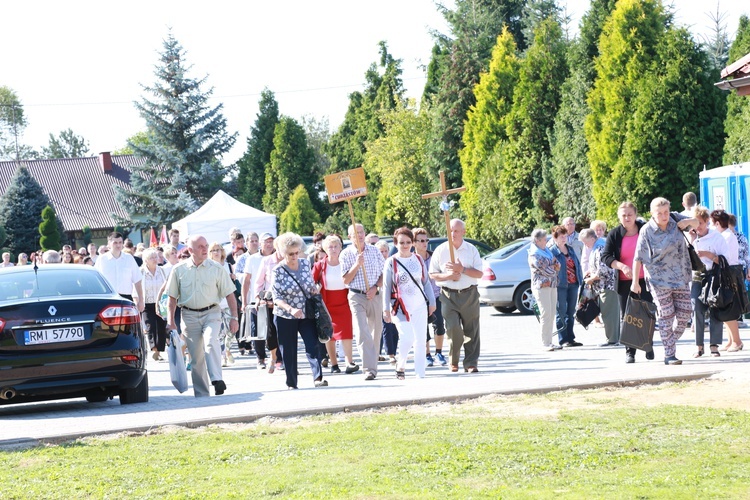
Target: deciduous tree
[
  {"x": 398, "y": 159},
  {"x": 66, "y": 145}
]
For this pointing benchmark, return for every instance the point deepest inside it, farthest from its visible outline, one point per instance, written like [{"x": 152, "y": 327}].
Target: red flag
[
  {"x": 163, "y": 239},
  {"x": 153, "y": 242}
]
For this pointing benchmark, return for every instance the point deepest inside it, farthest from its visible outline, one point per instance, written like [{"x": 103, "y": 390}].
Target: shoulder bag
[{"x": 316, "y": 310}]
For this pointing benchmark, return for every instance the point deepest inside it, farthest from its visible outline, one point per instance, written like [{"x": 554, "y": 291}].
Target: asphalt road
[{"x": 512, "y": 361}]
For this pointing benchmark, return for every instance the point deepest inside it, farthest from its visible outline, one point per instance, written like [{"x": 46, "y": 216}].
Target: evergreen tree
[
  {"x": 571, "y": 173},
  {"x": 66, "y": 145},
  {"x": 186, "y": 139},
  {"x": 737, "y": 146},
  {"x": 717, "y": 44},
  {"x": 12, "y": 124},
  {"x": 251, "y": 178},
  {"x": 21, "y": 211},
  {"x": 526, "y": 179},
  {"x": 485, "y": 134},
  {"x": 398, "y": 159},
  {"x": 475, "y": 26},
  {"x": 299, "y": 216},
  {"x": 50, "y": 237},
  {"x": 677, "y": 123},
  {"x": 628, "y": 49},
  {"x": 292, "y": 163}
]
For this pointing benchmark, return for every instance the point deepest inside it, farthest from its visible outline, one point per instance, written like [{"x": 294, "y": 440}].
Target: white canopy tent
[{"x": 220, "y": 214}]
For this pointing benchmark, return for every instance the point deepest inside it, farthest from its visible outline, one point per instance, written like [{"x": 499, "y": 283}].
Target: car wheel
[
  {"x": 138, "y": 394},
  {"x": 524, "y": 298},
  {"x": 98, "y": 397},
  {"x": 505, "y": 310}
]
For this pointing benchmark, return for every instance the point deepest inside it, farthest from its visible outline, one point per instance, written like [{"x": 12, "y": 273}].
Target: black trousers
[
  {"x": 157, "y": 328},
  {"x": 623, "y": 290}
]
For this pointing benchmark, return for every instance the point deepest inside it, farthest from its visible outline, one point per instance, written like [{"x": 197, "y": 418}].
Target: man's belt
[
  {"x": 354, "y": 290},
  {"x": 463, "y": 290},
  {"x": 201, "y": 309}
]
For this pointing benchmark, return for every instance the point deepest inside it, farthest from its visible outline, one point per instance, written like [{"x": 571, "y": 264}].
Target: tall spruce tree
[
  {"x": 485, "y": 136},
  {"x": 737, "y": 146},
  {"x": 526, "y": 179},
  {"x": 186, "y": 140},
  {"x": 251, "y": 177},
  {"x": 21, "y": 211},
  {"x": 292, "y": 163}
]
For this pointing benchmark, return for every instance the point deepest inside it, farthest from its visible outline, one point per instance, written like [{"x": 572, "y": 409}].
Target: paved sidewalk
[{"x": 511, "y": 362}]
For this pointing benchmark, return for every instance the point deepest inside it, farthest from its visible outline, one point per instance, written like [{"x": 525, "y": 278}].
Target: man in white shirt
[
  {"x": 459, "y": 297},
  {"x": 689, "y": 202},
  {"x": 121, "y": 270}
]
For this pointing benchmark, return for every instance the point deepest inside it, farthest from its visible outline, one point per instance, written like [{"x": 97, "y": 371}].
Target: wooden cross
[{"x": 445, "y": 207}]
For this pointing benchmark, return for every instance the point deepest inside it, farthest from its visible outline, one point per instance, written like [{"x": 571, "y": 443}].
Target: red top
[{"x": 627, "y": 252}]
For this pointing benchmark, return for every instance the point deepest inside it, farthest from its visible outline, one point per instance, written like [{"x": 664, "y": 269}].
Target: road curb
[{"x": 22, "y": 443}]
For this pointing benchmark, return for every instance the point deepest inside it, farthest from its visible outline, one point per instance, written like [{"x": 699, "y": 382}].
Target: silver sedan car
[{"x": 506, "y": 279}]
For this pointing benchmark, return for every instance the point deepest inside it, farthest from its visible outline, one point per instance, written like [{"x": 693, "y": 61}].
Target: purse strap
[{"x": 412, "y": 277}]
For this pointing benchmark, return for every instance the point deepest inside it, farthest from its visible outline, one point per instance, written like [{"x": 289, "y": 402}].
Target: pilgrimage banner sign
[{"x": 346, "y": 185}]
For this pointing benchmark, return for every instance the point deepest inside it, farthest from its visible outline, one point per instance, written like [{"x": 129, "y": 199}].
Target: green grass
[{"x": 462, "y": 451}]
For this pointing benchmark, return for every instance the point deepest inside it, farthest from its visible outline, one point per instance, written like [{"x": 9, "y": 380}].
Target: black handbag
[
  {"x": 696, "y": 264},
  {"x": 716, "y": 292},
  {"x": 638, "y": 324},
  {"x": 587, "y": 309},
  {"x": 316, "y": 310}
]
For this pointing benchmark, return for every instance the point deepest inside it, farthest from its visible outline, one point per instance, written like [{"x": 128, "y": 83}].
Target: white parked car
[{"x": 506, "y": 278}]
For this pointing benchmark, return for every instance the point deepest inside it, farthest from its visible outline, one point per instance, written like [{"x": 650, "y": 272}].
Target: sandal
[
  {"x": 699, "y": 353},
  {"x": 715, "y": 351},
  {"x": 400, "y": 375}
]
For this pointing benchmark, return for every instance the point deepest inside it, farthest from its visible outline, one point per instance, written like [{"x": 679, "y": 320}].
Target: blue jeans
[
  {"x": 567, "y": 299},
  {"x": 287, "y": 330}
]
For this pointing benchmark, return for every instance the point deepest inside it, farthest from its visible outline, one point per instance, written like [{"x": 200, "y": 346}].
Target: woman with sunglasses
[
  {"x": 292, "y": 284},
  {"x": 408, "y": 300}
]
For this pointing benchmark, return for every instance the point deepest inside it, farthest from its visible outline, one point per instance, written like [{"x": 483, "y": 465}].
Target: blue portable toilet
[{"x": 728, "y": 188}]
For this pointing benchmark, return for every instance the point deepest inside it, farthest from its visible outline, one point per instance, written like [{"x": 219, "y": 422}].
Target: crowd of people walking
[
  {"x": 394, "y": 302},
  {"x": 645, "y": 259}
]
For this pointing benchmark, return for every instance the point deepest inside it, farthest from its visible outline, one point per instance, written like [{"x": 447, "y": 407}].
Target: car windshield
[
  {"x": 51, "y": 283},
  {"x": 507, "y": 250}
]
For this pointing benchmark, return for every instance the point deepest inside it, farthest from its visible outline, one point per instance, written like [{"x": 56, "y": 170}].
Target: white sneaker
[{"x": 552, "y": 347}]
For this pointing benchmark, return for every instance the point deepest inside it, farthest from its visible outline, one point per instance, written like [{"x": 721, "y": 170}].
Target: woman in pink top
[{"x": 618, "y": 254}]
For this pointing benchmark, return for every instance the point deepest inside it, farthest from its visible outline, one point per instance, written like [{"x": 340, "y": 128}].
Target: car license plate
[{"x": 52, "y": 335}]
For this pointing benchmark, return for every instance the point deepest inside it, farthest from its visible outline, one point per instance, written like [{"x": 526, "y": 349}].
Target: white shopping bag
[{"x": 177, "y": 370}]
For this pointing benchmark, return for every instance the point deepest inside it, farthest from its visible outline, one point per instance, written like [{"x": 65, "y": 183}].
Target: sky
[{"x": 82, "y": 64}]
